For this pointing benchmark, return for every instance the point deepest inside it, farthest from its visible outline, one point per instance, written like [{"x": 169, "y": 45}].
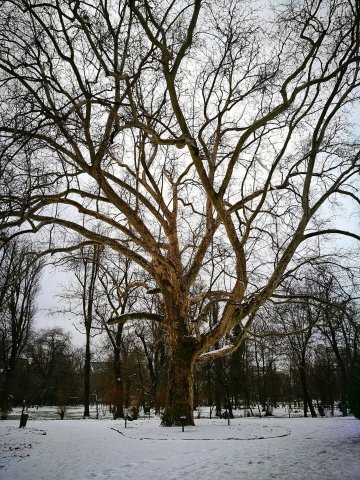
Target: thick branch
[{"x": 135, "y": 316}]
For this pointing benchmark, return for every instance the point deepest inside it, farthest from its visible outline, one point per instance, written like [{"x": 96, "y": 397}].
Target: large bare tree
[{"x": 202, "y": 140}]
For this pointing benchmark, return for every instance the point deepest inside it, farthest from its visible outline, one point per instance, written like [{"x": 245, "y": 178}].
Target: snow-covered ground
[{"x": 250, "y": 448}]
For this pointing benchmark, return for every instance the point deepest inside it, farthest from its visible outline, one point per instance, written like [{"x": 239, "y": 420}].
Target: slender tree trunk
[
  {"x": 305, "y": 407},
  {"x": 119, "y": 390},
  {"x": 306, "y": 396},
  {"x": 218, "y": 389},
  {"x": 229, "y": 406},
  {"x": 87, "y": 369},
  {"x": 6, "y": 399},
  {"x": 312, "y": 409}
]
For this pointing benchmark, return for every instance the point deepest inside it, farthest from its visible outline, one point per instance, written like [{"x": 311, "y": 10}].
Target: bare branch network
[{"x": 204, "y": 141}]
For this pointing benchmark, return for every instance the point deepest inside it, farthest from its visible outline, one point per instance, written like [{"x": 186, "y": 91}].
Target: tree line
[{"x": 306, "y": 361}]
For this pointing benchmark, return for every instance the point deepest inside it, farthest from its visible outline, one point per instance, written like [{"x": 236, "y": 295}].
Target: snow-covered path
[{"x": 250, "y": 448}]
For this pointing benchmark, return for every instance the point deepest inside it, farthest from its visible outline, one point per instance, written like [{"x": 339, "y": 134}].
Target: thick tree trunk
[{"x": 179, "y": 394}]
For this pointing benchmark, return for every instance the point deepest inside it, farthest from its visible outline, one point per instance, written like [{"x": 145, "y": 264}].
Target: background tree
[
  {"x": 340, "y": 329},
  {"x": 118, "y": 286},
  {"x": 191, "y": 133},
  {"x": 55, "y": 377},
  {"x": 82, "y": 302},
  {"x": 19, "y": 286},
  {"x": 299, "y": 324},
  {"x": 267, "y": 352},
  {"x": 153, "y": 341},
  {"x": 353, "y": 389},
  {"x": 317, "y": 328}
]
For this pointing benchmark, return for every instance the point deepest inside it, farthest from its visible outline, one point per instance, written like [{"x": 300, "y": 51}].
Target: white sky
[{"x": 52, "y": 282}]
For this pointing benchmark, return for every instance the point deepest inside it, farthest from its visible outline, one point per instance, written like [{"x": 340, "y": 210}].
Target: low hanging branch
[{"x": 136, "y": 316}]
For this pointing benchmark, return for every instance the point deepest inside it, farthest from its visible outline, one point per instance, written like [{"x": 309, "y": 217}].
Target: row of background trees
[{"x": 306, "y": 360}]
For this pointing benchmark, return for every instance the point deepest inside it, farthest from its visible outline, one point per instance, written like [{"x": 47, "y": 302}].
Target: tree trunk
[
  {"x": 6, "y": 399},
  {"x": 306, "y": 397},
  {"x": 119, "y": 391},
  {"x": 87, "y": 368},
  {"x": 305, "y": 407},
  {"x": 180, "y": 375},
  {"x": 219, "y": 374}
]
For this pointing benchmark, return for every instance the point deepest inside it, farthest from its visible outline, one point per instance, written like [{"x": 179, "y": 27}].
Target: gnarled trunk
[{"x": 180, "y": 381}]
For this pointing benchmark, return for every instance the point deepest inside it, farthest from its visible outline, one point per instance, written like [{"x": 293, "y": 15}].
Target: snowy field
[{"x": 249, "y": 448}]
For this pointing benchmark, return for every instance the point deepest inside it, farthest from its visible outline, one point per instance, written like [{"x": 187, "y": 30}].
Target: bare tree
[
  {"x": 55, "y": 377},
  {"x": 81, "y": 298},
  {"x": 19, "y": 286},
  {"x": 192, "y": 132},
  {"x": 153, "y": 341},
  {"x": 118, "y": 283},
  {"x": 86, "y": 274},
  {"x": 318, "y": 329},
  {"x": 299, "y": 325},
  {"x": 340, "y": 330}
]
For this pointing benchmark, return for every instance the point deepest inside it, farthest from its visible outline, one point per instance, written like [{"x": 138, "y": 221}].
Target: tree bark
[
  {"x": 119, "y": 391},
  {"x": 87, "y": 369},
  {"x": 5, "y": 399},
  {"x": 180, "y": 385},
  {"x": 306, "y": 397}
]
